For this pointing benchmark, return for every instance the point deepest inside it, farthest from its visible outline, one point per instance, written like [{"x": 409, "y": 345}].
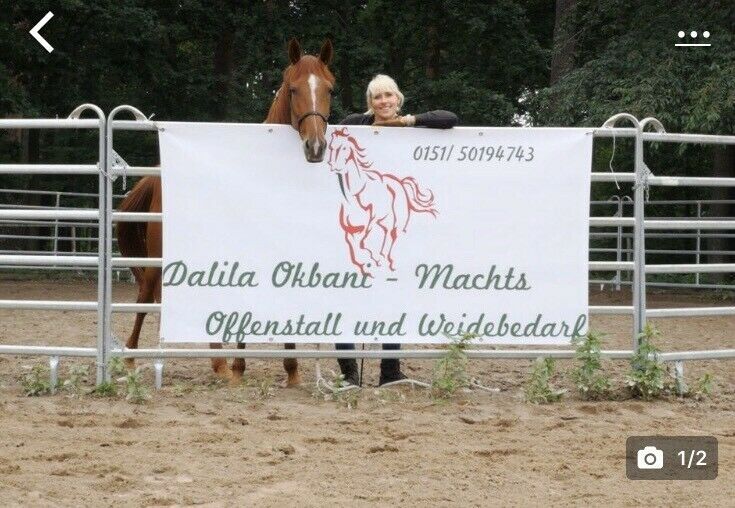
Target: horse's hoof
[
  {"x": 224, "y": 374},
  {"x": 235, "y": 378},
  {"x": 129, "y": 363},
  {"x": 293, "y": 381}
]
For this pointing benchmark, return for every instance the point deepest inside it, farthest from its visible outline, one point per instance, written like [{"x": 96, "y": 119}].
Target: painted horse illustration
[
  {"x": 376, "y": 207},
  {"x": 303, "y": 101}
]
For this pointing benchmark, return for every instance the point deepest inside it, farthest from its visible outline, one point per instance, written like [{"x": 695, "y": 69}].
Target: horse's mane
[
  {"x": 358, "y": 152},
  {"x": 280, "y": 110}
]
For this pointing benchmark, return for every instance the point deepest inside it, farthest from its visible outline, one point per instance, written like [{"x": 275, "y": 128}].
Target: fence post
[
  {"x": 53, "y": 363},
  {"x": 681, "y": 386},
  {"x": 109, "y": 162},
  {"x": 639, "y": 240},
  {"x": 101, "y": 358},
  {"x": 639, "y": 234}
]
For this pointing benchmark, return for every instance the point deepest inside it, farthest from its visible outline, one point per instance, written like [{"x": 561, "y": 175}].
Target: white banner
[{"x": 400, "y": 235}]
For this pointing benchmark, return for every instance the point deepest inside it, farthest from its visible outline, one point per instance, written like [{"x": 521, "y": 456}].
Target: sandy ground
[{"x": 199, "y": 441}]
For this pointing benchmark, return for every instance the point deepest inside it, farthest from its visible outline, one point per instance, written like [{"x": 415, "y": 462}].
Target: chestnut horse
[{"x": 303, "y": 101}]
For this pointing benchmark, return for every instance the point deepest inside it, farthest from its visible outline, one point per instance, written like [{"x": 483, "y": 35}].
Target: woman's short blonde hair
[{"x": 379, "y": 84}]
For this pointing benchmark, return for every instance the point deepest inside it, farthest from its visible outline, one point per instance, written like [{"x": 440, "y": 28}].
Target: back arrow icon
[{"x": 34, "y": 31}]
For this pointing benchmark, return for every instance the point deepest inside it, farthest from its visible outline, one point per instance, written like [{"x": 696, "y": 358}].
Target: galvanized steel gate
[{"x": 110, "y": 166}]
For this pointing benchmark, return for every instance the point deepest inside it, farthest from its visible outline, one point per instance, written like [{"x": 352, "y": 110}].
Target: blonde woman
[{"x": 384, "y": 102}]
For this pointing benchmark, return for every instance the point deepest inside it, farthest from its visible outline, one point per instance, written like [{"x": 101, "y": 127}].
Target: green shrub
[
  {"x": 703, "y": 387},
  {"x": 116, "y": 367},
  {"x": 591, "y": 383},
  {"x": 36, "y": 382},
  {"x": 647, "y": 378},
  {"x": 135, "y": 392},
  {"x": 450, "y": 371},
  {"x": 105, "y": 389},
  {"x": 78, "y": 374},
  {"x": 538, "y": 390}
]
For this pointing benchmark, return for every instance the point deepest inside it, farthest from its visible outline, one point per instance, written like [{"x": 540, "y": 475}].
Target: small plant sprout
[
  {"x": 450, "y": 371},
  {"x": 647, "y": 377},
  {"x": 348, "y": 399},
  {"x": 36, "y": 382},
  {"x": 264, "y": 387},
  {"x": 338, "y": 381},
  {"x": 78, "y": 374},
  {"x": 703, "y": 387},
  {"x": 105, "y": 389},
  {"x": 538, "y": 390},
  {"x": 135, "y": 391},
  {"x": 591, "y": 383},
  {"x": 116, "y": 367}
]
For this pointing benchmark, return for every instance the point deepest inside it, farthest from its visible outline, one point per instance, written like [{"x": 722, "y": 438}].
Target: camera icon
[{"x": 650, "y": 457}]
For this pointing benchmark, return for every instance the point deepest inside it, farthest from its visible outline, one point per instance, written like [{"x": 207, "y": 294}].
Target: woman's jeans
[{"x": 389, "y": 367}]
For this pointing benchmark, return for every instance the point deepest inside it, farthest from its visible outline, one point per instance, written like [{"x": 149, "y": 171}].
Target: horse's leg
[
  {"x": 238, "y": 366},
  {"x": 219, "y": 365},
  {"x": 292, "y": 368},
  {"x": 145, "y": 295}
]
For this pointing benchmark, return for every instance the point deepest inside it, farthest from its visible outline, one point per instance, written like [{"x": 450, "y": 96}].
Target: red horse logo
[{"x": 376, "y": 207}]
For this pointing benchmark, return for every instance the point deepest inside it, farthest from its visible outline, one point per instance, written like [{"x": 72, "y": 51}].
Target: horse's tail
[
  {"x": 131, "y": 236},
  {"x": 418, "y": 200}
]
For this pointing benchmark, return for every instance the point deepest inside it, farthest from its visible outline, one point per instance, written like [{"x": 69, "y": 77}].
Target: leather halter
[{"x": 312, "y": 113}]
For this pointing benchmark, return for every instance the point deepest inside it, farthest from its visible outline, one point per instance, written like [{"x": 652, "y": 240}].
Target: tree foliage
[
  {"x": 626, "y": 60},
  {"x": 221, "y": 60}
]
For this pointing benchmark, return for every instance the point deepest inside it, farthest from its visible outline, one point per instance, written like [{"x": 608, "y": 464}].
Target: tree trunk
[{"x": 562, "y": 60}]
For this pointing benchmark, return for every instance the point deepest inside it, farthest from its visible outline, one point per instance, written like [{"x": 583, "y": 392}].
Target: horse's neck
[{"x": 280, "y": 110}]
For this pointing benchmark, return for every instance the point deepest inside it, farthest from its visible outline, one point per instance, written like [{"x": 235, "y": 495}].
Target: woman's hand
[{"x": 399, "y": 121}]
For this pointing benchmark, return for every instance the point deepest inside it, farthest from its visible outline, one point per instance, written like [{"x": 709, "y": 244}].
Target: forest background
[{"x": 494, "y": 63}]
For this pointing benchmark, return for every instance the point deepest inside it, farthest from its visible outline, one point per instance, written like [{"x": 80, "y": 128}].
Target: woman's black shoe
[
  {"x": 391, "y": 377},
  {"x": 348, "y": 366}
]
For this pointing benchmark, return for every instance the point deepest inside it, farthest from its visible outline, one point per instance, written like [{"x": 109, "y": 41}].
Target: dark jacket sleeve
[
  {"x": 438, "y": 119},
  {"x": 355, "y": 119}
]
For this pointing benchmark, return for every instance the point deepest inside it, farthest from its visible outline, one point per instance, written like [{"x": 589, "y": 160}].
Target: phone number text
[{"x": 466, "y": 153}]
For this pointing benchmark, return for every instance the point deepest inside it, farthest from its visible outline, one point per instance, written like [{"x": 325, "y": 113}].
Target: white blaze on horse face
[{"x": 313, "y": 82}]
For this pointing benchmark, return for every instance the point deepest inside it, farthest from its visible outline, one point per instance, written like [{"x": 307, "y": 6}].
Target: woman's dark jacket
[{"x": 438, "y": 119}]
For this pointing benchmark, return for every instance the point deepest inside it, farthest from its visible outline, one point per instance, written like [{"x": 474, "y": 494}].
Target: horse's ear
[
  {"x": 294, "y": 50},
  {"x": 327, "y": 52}
]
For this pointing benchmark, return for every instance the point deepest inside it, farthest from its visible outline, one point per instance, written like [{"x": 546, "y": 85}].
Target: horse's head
[{"x": 309, "y": 83}]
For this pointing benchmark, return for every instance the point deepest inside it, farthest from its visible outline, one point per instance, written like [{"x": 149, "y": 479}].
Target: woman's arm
[
  {"x": 354, "y": 119},
  {"x": 439, "y": 119}
]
